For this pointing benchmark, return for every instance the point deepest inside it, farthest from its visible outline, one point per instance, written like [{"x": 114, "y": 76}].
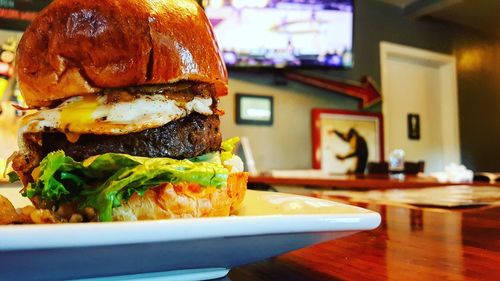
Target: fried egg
[{"x": 95, "y": 115}]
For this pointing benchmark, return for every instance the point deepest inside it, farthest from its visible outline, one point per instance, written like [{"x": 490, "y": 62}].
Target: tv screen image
[{"x": 283, "y": 33}]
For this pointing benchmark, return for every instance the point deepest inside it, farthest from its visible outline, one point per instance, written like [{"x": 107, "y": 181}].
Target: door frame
[{"x": 446, "y": 65}]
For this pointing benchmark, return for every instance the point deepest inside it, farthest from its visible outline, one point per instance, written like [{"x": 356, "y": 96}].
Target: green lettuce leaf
[
  {"x": 150, "y": 173},
  {"x": 228, "y": 147},
  {"x": 103, "y": 181},
  {"x": 13, "y": 177},
  {"x": 213, "y": 157},
  {"x": 52, "y": 187},
  {"x": 229, "y": 144}
]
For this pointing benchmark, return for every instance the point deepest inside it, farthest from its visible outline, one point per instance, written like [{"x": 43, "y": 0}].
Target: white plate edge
[{"x": 29, "y": 237}]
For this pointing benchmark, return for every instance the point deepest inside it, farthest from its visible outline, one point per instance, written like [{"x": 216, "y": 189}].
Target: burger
[{"x": 126, "y": 124}]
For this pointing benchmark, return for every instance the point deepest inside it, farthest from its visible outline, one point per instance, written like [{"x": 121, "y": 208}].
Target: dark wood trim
[{"x": 356, "y": 182}]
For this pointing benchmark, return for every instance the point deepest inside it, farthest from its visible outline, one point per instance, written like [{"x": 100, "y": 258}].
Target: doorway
[{"x": 421, "y": 83}]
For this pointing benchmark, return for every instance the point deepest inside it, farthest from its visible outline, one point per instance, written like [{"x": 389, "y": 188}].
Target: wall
[
  {"x": 287, "y": 144},
  {"x": 6, "y": 34},
  {"x": 374, "y": 22},
  {"x": 477, "y": 71},
  {"x": 479, "y": 102}
]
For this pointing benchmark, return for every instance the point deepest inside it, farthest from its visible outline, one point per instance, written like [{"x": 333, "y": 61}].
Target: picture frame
[
  {"x": 345, "y": 141},
  {"x": 413, "y": 124},
  {"x": 254, "y": 109}
]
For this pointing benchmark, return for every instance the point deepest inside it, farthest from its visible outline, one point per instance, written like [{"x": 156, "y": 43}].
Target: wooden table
[
  {"x": 353, "y": 182},
  {"x": 411, "y": 244}
]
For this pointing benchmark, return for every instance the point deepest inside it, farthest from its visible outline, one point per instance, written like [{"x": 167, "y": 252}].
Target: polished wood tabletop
[
  {"x": 411, "y": 244},
  {"x": 380, "y": 182}
]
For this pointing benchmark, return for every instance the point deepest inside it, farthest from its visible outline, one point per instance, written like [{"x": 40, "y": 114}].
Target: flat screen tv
[{"x": 283, "y": 33}]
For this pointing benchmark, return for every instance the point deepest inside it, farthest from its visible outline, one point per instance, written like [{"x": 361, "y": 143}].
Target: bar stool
[
  {"x": 413, "y": 168},
  {"x": 377, "y": 168}
]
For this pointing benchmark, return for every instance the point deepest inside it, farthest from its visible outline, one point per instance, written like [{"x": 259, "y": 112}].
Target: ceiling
[{"x": 482, "y": 16}]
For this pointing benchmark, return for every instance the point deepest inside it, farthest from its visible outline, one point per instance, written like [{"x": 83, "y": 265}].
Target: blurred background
[{"x": 430, "y": 68}]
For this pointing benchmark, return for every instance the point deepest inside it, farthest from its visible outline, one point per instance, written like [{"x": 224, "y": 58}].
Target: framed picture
[
  {"x": 254, "y": 109},
  {"x": 413, "y": 126},
  {"x": 345, "y": 141}
]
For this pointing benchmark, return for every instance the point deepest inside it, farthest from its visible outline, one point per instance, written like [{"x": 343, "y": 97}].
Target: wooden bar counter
[
  {"x": 380, "y": 182},
  {"x": 411, "y": 244}
]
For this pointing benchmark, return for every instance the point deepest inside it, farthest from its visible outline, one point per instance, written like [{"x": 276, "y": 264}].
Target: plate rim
[{"x": 21, "y": 237}]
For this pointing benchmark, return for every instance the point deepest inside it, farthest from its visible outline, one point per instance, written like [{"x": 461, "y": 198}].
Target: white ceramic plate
[{"x": 268, "y": 224}]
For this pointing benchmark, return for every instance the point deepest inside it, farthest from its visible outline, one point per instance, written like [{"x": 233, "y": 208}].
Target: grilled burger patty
[{"x": 187, "y": 137}]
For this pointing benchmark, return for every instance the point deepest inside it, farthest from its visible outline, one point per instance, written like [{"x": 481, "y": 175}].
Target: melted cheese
[{"x": 93, "y": 115}]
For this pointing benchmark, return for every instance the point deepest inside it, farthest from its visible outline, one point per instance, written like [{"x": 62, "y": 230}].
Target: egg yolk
[{"x": 77, "y": 116}]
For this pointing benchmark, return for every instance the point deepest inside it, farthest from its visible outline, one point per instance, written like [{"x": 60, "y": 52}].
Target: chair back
[
  {"x": 413, "y": 168},
  {"x": 377, "y": 168}
]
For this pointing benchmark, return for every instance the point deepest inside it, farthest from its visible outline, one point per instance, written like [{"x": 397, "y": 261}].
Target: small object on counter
[
  {"x": 486, "y": 177},
  {"x": 454, "y": 173},
  {"x": 397, "y": 160},
  {"x": 397, "y": 164}
]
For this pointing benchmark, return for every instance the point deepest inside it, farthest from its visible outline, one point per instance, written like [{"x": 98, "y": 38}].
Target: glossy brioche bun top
[{"x": 78, "y": 47}]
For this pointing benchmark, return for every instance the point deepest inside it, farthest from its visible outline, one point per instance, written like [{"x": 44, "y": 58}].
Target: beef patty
[{"x": 187, "y": 137}]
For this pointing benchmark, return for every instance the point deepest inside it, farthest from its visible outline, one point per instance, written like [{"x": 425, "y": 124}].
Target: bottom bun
[{"x": 184, "y": 201}]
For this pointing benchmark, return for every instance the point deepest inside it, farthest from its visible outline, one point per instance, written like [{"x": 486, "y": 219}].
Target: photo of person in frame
[{"x": 358, "y": 150}]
